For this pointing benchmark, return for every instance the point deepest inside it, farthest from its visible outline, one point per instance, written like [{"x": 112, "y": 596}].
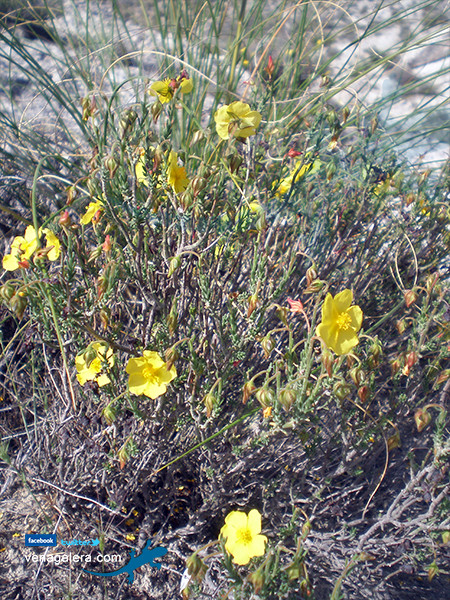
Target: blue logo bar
[{"x": 40, "y": 539}]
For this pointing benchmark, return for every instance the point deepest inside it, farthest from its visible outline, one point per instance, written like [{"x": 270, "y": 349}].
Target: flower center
[
  {"x": 244, "y": 535},
  {"x": 343, "y": 321},
  {"x": 147, "y": 372}
]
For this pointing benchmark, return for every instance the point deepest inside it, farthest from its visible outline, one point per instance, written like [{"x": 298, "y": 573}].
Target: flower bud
[
  {"x": 198, "y": 136},
  {"x": 127, "y": 119},
  {"x": 174, "y": 265},
  {"x": 357, "y": 375},
  {"x": 210, "y": 402},
  {"x": 252, "y": 303},
  {"x": 247, "y": 390},
  {"x": 400, "y": 326},
  {"x": 107, "y": 244},
  {"x": 265, "y": 397},
  {"x": 95, "y": 253},
  {"x": 7, "y": 291},
  {"x": 363, "y": 393},
  {"x": 345, "y": 114},
  {"x": 105, "y": 314},
  {"x": 72, "y": 193},
  {"x": 156, "y": 110},
  {"x": 261, "y": 222},
  {"x": 109, "y": 413},
  {"x": 18, "y": 305},
  {"x": 198, "y": 184},
  {"x": 234, "y": 162},
  {"x": 65, "y": 220},
  {"x": 394, "y": 441},
  {"x": 311, "y": 275},
  {"x": 327, "y": 361},
  {"x": 287, "y": 398},
  {"x": 411, "y": 359},
  {"x": 410, "y": 198},
  {"x": 315, "y": 287},
  {"x": 171, "y": 355},
  {"x": 102, "y": 286},
  {"x": 422, "y": 418},
  {"x": 172, "y": 317},
  {"x": 341, "y": 390},
  {"x": 196, "y": 567},
  {"x": 306, "y": 529},
  {"x": 410, "y": 297},
  {"x": 268, "y": 345},
  {"x": 258, "y": 579},
  {"x": 395, "y": 366},
  {"x": 281, "y": 313},
  {"x": 111, "y": 165}
]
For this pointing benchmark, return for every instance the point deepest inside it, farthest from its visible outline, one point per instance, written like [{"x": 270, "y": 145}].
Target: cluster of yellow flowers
[
  {"x": 148, "y": 374},
  {"x": 23, "y": 248}
]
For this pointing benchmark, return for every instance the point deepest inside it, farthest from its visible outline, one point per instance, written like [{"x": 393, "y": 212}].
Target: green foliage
[{"x": 182, "y": 244}]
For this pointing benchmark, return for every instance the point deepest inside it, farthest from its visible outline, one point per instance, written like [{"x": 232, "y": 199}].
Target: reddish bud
[
  {"x": 107, "y": 244},
  {"x": 295, "y": 305},
  {"x": 410, "y": 297},
  {"x": 363, "y": 393},
  {"x": 422, "y": 418}
]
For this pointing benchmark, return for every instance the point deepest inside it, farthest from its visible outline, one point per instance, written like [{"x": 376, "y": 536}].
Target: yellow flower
[
  {"x": 300, "y": 169},
  {"x": 176, "y": 176},
  {"x": 149, "y": 375},
  {"x": 89, "y": 363},
  {"x": 91, "y": 211},
  {"x": 242, "y": 533},
  {"x": 165, "y": 90},
  {"x": 141, "y": 176},
  {"x": 186, "y": 85},
  {"x": 22, "y": 248},
  {"x": 52, "y": 240},
  {"x": 340, "y": 322},
  {"x": 162, "y": 89},
  {"x": 236, "y": 119}
]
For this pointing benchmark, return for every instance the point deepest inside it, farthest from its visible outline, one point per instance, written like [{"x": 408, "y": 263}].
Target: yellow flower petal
[
  {"x": 176, "y": 175},
  {"x": 52, "y": 240},
  {"x": 91, "y": 211}
]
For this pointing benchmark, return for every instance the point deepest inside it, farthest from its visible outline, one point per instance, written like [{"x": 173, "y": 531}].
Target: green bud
[
  {"x": 265, "y": 397},
  {"x": 174, "y": 265},
  {"x": 196, "y": 567},
  {"x": 258, "y": 579},
  {"x": 341, "y": 390},
  {"x": 268, "y": 345},
  {"x": 109, "y": 413},
  {"x": 7, "y": 291},
  {"x": 18, "y": 305},
  {"x": 210, "y": 402},
  {"x": 287, "y": 398}
]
